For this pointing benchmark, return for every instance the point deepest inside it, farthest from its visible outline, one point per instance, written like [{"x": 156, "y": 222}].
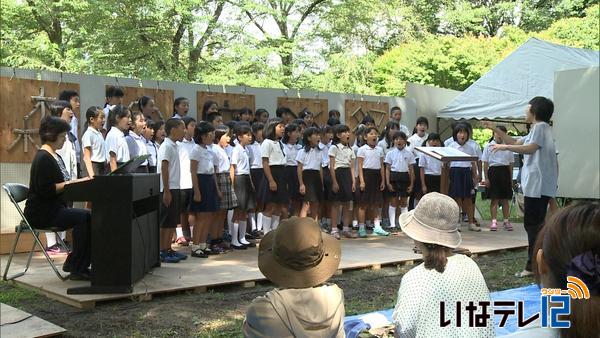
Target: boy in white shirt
[{"x": 169, "y": 170}]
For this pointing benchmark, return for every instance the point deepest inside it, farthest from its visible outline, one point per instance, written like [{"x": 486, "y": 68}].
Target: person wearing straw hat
[
  {"x": 298, "y": 258},
  {"x": 442, "y": 277}
]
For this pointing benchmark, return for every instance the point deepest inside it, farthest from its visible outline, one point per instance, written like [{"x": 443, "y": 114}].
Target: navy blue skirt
[
  {"x": 209, "y": 201},
  {"x": 461, "y": 182},
  {"x": 260, "y": 184}
]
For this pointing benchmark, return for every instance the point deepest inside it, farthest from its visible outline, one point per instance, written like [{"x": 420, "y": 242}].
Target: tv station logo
[{"x": 554, "y": 307}]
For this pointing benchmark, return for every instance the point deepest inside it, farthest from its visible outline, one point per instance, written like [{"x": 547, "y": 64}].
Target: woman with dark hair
[
  {"x": 46, "y": 206},
  {"x": 540, "y": 168},
  {"x": 443, "y": 279},
  {"x": 568, "y": 247}
]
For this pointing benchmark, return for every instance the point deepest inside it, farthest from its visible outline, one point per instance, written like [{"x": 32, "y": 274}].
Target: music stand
[
  {"x": 446, "y": 155},
  {"x": 129, "y": 166}
]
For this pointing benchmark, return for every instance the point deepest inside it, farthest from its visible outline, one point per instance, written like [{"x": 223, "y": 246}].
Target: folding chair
[{"x": 17, "y": 193}]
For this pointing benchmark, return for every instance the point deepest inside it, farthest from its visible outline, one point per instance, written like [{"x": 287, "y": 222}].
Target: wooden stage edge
[{"x": 239, "y": 268}]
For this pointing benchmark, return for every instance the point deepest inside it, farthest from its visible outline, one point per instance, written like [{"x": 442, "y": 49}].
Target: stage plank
[
  {"x": 15, "y": 323},
  {"x": 240, "y": 267}
]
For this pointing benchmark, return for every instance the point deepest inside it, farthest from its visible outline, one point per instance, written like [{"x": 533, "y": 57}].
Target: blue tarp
[{"x": 530, "y": 295}]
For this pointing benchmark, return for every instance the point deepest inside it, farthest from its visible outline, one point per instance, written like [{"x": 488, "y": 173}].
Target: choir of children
[{"x": 261, "y": 170}]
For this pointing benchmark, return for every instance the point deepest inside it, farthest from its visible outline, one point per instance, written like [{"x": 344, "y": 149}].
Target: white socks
[
  {"x": 229, "y": 216},
  {"x": 377, "y": 223},
  {"x": 242, "y": 233},
  {"x": 51, "y": 238},
  {"x": 392, "y": 216},
  {"x": 274, "y": 222},
  {"x": 354, "y": 223},
  {"x": 252, "y": 218},
  {"x": 179, "y": 232},
  {"x": 259, "y": 221},
  {"x": 266, "y": 223},
  {"x": 403, "y": 210},
  {"x": 234, "y": 234}
]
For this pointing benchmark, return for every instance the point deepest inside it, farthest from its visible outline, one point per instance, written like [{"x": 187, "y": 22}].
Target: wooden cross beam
[{"x": 41, "y": 103}]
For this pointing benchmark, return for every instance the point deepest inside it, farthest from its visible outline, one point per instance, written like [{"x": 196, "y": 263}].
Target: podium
[
  {"x": 446, "y": 155},
  {"x": 124, "y": 230}
]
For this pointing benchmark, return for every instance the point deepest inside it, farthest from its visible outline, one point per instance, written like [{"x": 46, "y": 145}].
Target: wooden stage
[
  {"x": 15, "y": 323},
  {"x": 240, "y": 267}
]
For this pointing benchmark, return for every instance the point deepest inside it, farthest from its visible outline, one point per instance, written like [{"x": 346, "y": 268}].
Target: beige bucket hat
[
  {"x": 298, "y": 255},
  {"x": 435, "y": 220}
]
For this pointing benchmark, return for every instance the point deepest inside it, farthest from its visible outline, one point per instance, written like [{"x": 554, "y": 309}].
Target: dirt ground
[{"x": 220, "y": 312}]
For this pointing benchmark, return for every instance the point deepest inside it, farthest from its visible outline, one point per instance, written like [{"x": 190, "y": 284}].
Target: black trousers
[
  {"x": 535, "y": 214},
  {"x": 80, "y": 220}
]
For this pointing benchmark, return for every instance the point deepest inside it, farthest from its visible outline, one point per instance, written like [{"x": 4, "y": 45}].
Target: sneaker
[
  {"x": 347, "y": 234},
  {"x": 199, "y": 253},
  {"x": 494, "y": 226},
  {"x": 178, "y": 255},
  {"x": 55, "y": 250},
  {"x": 182, "y": 241},
  {"x": 335, "y": 234},
  {"x": 474, "y": 227},
  {"x": 362, "y": 233},
  {"x": 380, "y": 232},
  {"x": 354, "y": 233},
  {"x": 524, "y": 273},
  {"x": 166, "y": 257},
  {"x": 239, "y": 247},
  {"x": 508, "y": 226}
]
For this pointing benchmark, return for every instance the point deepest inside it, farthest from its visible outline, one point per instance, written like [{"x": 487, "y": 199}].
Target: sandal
[{"x": 199, "y": 253}]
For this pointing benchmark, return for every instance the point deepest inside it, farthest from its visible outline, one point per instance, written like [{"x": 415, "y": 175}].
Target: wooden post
[{"x": 445, "y": 179}]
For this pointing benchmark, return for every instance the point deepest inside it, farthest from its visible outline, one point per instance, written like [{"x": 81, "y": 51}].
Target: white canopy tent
[{"x": 529, "y": 71}]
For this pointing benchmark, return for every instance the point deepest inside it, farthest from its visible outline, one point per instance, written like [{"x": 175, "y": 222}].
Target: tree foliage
[{"x": 362, "y": 46}]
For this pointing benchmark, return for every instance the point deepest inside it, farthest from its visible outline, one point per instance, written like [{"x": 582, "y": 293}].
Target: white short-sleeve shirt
[
  {"x": 465, "y": 148},
  {"x": 497, "y": 158},
  {"x": 384, "y": 146},
  {"x": 255, "y": 158},
  {"x": 153, "y": 151},
  {"x": 273, "y": 150},
  {"x": 311, "y": 160},
  {"x": 343, "y": 155},
  {"x": 416, "y": 141},
  {"x": 241, "y": 160},
  {"x": 75, "y": 132},
  {"x": 404, "y": 129},
  {"x": 372, "y": 156},
  {"x": 476, "y": 148},
  {"x": 116, "y": 143},
  {"x": 400, "y": 160},
  {"x": 325, "y": 152},
  {"x": 69, "y": 157},
  {"x": 221, "y": 159},
  {"x": 205, "y": 159},
  {"x": 291, "y": 152},
  {"x": 432, "y": 165},
  {"x": 185, "y": 147},
  {"x": 93, "y": 139},
  {"x": 137, "y": 146},
  {"x": 539, "y": 175},
  {"x": 417, "y": 310},
  {"x": 169, "y": 152}
]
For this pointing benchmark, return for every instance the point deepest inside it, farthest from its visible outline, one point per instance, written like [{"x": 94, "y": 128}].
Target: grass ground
[
  {"x": 220, "y": 312},
  {"x": 483, "y": 206}
]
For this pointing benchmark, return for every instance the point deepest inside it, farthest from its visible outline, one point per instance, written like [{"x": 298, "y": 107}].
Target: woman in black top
[{"x": 46, "y": 206}]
